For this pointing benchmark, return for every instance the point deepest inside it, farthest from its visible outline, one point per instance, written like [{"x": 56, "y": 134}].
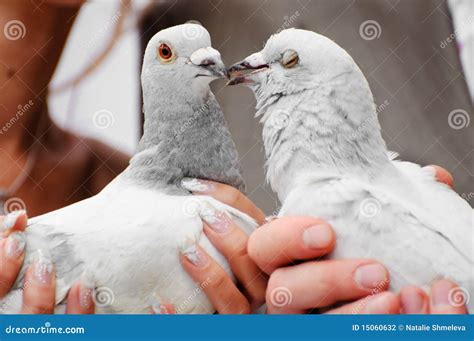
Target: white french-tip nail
[
  {"x": 158, "y": 307},
  {"x": 15, "y": 245},
  {"x": 43, "y": 267},
  {"x": 217, "y": 220},
  {"x": 10, "y": 220},
  {"x": 195, "y": 255},
  {"x": 196, "y": 185}
]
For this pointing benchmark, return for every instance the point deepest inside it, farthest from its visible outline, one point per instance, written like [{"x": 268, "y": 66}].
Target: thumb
[{"x": 442, "y": 175}]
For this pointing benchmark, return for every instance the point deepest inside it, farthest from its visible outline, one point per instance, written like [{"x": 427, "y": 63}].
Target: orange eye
[{"x": 165, "y": 52}]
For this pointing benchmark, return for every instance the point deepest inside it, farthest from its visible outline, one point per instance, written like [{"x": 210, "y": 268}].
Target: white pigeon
[
  {"x": 127, "y": 239},
  {"x": 326, "y": 158}
]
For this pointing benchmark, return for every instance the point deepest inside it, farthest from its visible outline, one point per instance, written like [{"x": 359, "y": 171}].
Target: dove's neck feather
[
  {"x": 319, "y": 134},
  {"x": 185, "y": 135}
]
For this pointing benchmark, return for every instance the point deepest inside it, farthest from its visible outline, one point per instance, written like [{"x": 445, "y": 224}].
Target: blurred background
[{"x": 416, "y": 55}]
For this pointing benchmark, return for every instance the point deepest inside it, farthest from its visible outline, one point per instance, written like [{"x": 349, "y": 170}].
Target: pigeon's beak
[
  {"x": 210, "y": 62},
  {"x": 243, "y": 71}
]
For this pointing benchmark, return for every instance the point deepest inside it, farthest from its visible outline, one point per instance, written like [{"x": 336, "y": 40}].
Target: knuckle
[
  {"x": 219, "y": 280},
  {"x": 233, "y": 195}
]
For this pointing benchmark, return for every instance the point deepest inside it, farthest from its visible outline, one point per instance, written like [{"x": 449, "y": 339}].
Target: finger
[
  {"x": 442, "y": 175},
  {"x": 225, "y": 194},
  {"x": 39, "y": 287},
  {"x": 14, "y": 221},
  {"x": 323, "y": 283},
  {"x": 414, "y": 300},
  {"x": 231, "y": 241},
  {"x": 447, "y": 298},
  {"x": 214, "y": 281},
  {"x": 79, "y": 299},
  {"x": 287, "y": 239},
  {"x": 161, "y": 307},
  {"x": 12, "y": 253},
  {"x": 383, "y": 303}
]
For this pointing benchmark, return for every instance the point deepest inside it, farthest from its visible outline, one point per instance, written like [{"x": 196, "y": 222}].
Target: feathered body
[
  {"x": 326, "y": 158},
  {"x": 126, "y": 239}
]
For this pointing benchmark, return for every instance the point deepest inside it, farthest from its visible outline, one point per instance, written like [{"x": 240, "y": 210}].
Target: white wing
[
  {"x": 371, "y": 222},
  {"x": 127, "y": 240}
]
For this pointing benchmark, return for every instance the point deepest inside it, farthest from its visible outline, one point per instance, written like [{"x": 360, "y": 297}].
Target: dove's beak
[
  {"x": 243, "y": 71},
  {"x": 210, "y": 62}
]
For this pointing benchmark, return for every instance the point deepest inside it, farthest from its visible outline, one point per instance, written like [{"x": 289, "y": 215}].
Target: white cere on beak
[
  {"x": 255, "y": 60},
  {"x": 204, "y": 56}
]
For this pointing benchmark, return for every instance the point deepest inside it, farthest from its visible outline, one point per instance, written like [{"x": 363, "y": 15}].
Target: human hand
[
  {"x": 231, "y": 241},
  {"x": 40, "y": 284}
]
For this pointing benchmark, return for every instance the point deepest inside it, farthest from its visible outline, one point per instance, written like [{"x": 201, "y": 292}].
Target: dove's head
[
  {"x": 312, "y": 98},
  {"x": 181, "y": 57},
  {"x": 295, "y": 61}
]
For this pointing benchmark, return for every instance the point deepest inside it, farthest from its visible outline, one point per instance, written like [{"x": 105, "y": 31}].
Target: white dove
[
  {"x": 326, "y": 158},
  {"x": 126, "y": 239}
]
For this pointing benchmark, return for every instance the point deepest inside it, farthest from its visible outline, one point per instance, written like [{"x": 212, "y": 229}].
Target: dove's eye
[
  {"x": 289, "y": 59},
  {"x": 165, "y": 52}
]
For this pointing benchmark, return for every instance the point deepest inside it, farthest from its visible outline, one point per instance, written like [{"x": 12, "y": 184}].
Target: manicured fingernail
[
  {"x": 371, "y": 276},
  {"x": 42, "y": 268},
  {"x": 217, "y": 220},
  {"x": 10, "y": 220},
  {"x": 197, "y": 185},
  {"x": 378, "y": 305},
  {"x": 413, "y": 302},
  {"x": 440, "y": 293},
  {"x": 195, "y": 256},
  {"x": 15, "y": 245},
  {"x": 86, "y": 290},
  {"x": 160, "y": 308},
  {"x": 318, "y": 236}
]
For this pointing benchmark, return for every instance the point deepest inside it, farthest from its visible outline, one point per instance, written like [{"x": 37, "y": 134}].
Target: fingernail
[
  {"x": 160, "y": 308},
  {"x": 195, "y": 256},
  {"x": 371, "y": 276},
  {"x": 42, "y": 268},
  {"x": 217, "y": 220},
  {"x": 413, "y": 302},
  {"x": 86, "y": 290},
  {"x": 10, "y": 220},
  {"x": 440, "y": 293},
  {"x": 317, "y": 236},
  {"x": 15, "y": 245},
  {"x": 378, "y": 305},
  {"x": 196, "y": 185}
]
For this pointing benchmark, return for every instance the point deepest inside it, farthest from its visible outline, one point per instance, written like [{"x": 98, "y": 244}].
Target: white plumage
[
  {"x": 126, "y": 240},
  {"x": 326, "y": 158}
]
